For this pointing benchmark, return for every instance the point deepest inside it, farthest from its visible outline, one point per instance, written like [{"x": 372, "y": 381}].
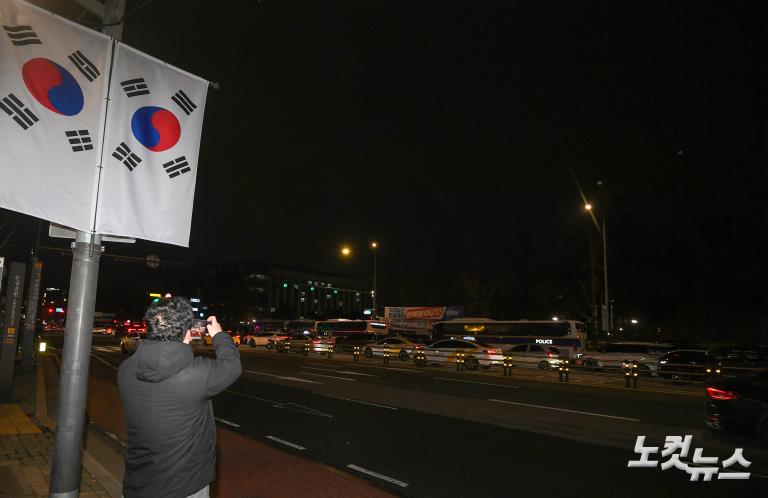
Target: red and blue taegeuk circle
[
  {"x": 53, "y": 86},
  {"x": 156, "y": 128}
]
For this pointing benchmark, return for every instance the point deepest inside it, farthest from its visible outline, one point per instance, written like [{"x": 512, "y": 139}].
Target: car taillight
[
  {"x": 491, "y": 351},
  {"x": 315, "y": 341},
  {"x": 550, "y": 354},
  {"x": 716, "y": 393}
]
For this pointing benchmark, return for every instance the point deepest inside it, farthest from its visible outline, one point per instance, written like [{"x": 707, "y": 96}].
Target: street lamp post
[
  {"x": 346, "y": 252},
  {"x": 602, "y": 231},
  {"x": 375, "y": 247}
]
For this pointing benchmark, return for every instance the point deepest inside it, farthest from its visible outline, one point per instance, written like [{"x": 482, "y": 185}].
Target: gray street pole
[
  {"x": 75, "y": 360},
  {"x": 605, "y": 275},
  {"x": 14, "y": 294},
  {"x": 73, "y": 380},
  {"x": 375, "y": 275},
  {"x": 30, "y": 319}
]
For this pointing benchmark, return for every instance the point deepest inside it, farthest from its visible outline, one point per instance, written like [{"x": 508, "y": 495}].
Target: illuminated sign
[
  {"x": 366, "y": 312},
  {"x": 193, "y": 300},
  {"x": 155, "y": 294},
  {"x": 59, "y": 310},
  {"x": 543, "y": 341}
]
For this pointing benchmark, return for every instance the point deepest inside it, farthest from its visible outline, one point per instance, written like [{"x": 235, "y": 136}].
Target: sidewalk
[
  {"x": 25, "y": 448},
  {"x": 246, "y": 468}
]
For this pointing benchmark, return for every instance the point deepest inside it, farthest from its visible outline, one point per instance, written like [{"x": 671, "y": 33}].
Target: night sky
[{"x": 446, "y": 131}]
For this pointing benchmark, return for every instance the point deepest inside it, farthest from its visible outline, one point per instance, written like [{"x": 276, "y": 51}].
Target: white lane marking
[
  {"x": 107, "y": 349},
  {"x": 378, "y": 476},
  {"x": 356, "y": 373},
  {"x": 328, "y": 376},
  {"x": 339, "y": 371},
  {"x": 252, "y": 397},
  {"x": 104, "y": 362},
  {"x": 295, "y": 379},
  {"x": 227, "y": 422},
  {"x": 295, "y": 407},
  {"x": 357, "y": 401},
  {"x": 321, "y": 369},
  {"x": 475, "y": 382},
  {"x": 287, "y": 443},
  {"x": 316, "y": 364},
  {"x": 404, "y": 369},
  {"x": 565, "y": 410}
]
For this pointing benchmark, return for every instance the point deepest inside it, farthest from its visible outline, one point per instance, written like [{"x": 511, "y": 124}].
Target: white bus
[
  {"x": 342, "y": 326},
  {"x": 567, "y": 335}
]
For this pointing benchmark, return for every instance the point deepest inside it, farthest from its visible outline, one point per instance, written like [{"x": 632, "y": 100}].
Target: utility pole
[
  {"x": 75, "y": 360},
  {"x": 375, "y": 247},
  {"x": 609, "y": 327}
]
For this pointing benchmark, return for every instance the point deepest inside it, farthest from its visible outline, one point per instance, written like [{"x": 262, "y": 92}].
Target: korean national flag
[
  {"x": 154, "y": 122},
  {"x": 52, "y": 99}
]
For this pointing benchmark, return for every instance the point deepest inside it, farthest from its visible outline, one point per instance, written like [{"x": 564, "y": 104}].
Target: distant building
[
  {"x": 272, "y": 291},
  {"x": 281, "y": 292}
]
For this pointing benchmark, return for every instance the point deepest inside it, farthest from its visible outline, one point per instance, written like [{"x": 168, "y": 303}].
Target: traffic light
[{"x": 285, "y": 285}]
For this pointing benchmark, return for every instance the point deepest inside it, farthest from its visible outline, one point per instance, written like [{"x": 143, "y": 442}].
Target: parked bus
[
  {"x": 299, "y": 326},
  {"x": 567, "y": 335},
  {"x": 342, "y": 326}
]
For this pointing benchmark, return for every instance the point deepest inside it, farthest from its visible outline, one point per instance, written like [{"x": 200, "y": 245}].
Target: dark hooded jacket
[{"x": 166, "y": 392}]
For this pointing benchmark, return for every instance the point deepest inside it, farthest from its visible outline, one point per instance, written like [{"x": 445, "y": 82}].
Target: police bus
[
  {"x": 342, "y": 326},
  {"x": 568, "y": 336}
]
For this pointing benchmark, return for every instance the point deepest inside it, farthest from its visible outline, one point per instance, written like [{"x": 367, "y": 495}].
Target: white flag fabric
[
  {"x": 52, "y": 97},
  {"x": 154, "y": 122}
]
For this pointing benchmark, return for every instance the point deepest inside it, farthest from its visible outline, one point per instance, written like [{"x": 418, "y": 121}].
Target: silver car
[
  {"x": 542, "y": 356},
  {"x": 613, "y": 355},
  {"x": 400, "y": 347},
  {"x": 475, "y": 354},
  {"x": 130, "y": 343}
]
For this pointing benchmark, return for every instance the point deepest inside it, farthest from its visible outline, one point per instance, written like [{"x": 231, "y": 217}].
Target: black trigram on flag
[
  {"x": 22, "y": 35},
  {"x": 123, "y": 154},
  {"x": 176, "y": 167},
  {"x": 80, "y": 140},
  {"x": 184, "y": 102},
  {"x": 135, "y": 87},
  {"x": 85, "y": 66},
  {"x": 16, "y": 110}
]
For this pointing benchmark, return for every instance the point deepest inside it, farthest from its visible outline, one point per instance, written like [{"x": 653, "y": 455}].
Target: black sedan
[
  {"x": 687, "y": 364},
  {"x": 739, "y": 402}
]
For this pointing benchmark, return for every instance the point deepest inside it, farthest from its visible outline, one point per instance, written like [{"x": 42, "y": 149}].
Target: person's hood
[{"x": 159, "y": 360}]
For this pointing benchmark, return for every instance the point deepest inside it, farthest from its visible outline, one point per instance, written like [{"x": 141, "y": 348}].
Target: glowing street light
[
  {"x": 375, "y": 247},
  {"x": 346, "y": 251},
  {"x": 634, "y": 322},
  {"x": 601, "y": 230}
]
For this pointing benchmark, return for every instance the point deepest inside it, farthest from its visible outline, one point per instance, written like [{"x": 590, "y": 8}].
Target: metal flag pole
[
  {"x": 66, "y": 467},
  {"x": 73, "y": 381}
]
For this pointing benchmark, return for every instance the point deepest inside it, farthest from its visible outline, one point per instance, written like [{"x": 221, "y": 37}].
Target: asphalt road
[{"x": 436, "y": 432}]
